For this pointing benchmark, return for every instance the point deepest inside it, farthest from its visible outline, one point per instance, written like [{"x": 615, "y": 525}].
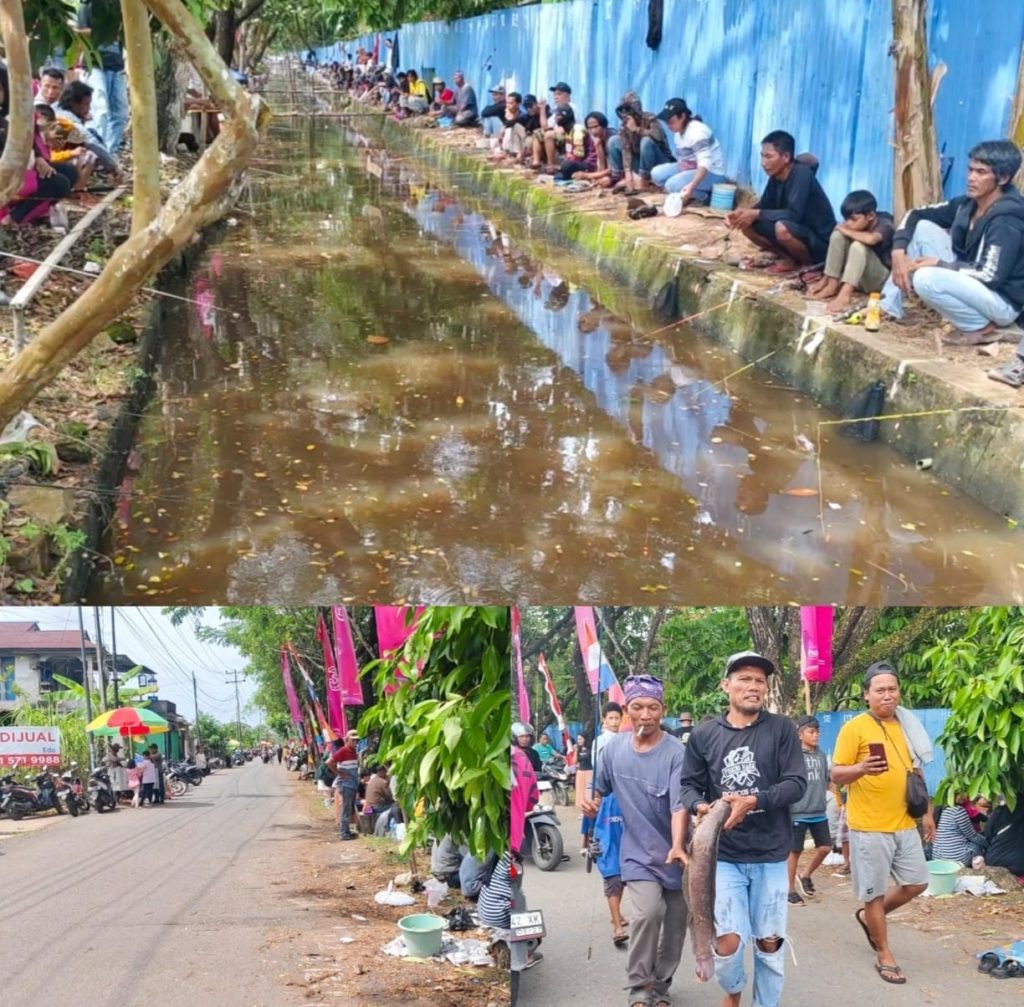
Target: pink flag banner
[
  {"x": 345, "y": 651},
  {"x": 335, "y": 710},
  {"x": 289, "y": 689},
  {"x": 522, "y": 696},
  {"x": 816, "y": 642},
  {"x": 393, "y": 631}
]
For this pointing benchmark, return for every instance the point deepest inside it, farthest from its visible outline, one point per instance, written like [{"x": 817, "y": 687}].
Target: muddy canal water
[{"x": 386, "y": 390}]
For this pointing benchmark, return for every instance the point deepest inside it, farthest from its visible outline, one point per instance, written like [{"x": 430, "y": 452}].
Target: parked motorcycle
[
  {"x": 46, "y": 788},
  {"x": 176, "y": 781},
  {"x": 543, "y": 840},
  {"x": 513, "y": 947},
  {"x": 193, "y": 774},
  {"x": 556, "y": 772},
  {"x": 72, "y": 791},
  {"x": 101, "y": 793},
  {"x": 238, "y": 759},
  {"x": 18, "y": 800}
]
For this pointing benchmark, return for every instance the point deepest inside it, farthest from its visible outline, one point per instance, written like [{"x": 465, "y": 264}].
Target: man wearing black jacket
[
  {"x": 965, "y": 257},
  {"x": 752, "y": 760}
]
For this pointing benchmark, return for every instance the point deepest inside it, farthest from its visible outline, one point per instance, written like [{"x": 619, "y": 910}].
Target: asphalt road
[
  {"x": 834, "y": 963},
  {"x": 158, "y": 906}
]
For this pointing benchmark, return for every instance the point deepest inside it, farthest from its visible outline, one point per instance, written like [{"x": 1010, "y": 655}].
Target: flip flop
[
  {"x": 892, "y": 974},
  {"x": 620, "y": 939},
  {"x": 864, "y": 927},
  {"x": 1010, "y": 969},
  {"x": 988, "y": 962}
]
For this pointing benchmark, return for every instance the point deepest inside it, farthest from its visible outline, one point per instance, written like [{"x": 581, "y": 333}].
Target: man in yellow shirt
[
  {"x": 419, "y": 100},
  {"x": 872, "y": 759}
]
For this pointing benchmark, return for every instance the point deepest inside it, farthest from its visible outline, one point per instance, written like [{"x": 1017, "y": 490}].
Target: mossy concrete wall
[{"x": 975, "y": 443}]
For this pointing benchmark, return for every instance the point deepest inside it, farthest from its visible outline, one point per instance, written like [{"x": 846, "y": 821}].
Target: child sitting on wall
[{"x": 859, "y": 252}]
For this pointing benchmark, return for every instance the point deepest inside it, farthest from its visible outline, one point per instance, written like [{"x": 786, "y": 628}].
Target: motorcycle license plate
[{"x": 527, "y": 925}]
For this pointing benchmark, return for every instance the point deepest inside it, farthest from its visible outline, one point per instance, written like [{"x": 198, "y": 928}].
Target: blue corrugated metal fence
[{"x": 820, "y": 70}]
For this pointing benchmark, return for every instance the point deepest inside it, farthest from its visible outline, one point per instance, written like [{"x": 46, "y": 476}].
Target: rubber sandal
[
  {"x": 620, "y": 939},
  {"x": 535, "y": 960},
  {"x": 891, "y": 974},
  {"x": 864, "y": 927},
  {"x": 988, "y": 962},
  {"x": 1010, "y": 969}
]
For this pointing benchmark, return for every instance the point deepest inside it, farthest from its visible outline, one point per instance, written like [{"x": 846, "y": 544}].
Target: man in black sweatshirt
[
  {"x": 965, "y": 257},
  {"x": 752, "y": 760}
]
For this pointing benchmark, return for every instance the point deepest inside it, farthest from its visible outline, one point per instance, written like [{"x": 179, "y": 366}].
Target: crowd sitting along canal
[
  {"x": 962, "y": 258},
  {"x": 649, "y": 788}
]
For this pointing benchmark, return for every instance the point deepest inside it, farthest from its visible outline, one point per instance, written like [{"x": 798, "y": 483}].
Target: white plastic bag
[{"x": 389, "y": 897}]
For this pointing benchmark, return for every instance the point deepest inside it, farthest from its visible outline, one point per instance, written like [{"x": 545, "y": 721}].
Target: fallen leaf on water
[
  {"x": 909, "y": 526},
  {"x": 801, "y": 491},
  {"x": 259, "y": 475},
  {"x": 377, "y": 340}
]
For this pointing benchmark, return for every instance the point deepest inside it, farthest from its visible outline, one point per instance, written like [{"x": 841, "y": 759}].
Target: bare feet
[
  {"x": 827, "y": 286},
  {"x": 731, "y": 1000},
  {"x": 839, "y": 304}
]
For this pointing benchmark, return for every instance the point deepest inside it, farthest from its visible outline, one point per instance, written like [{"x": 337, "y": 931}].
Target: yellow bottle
[{"x": 873, "y": 316}]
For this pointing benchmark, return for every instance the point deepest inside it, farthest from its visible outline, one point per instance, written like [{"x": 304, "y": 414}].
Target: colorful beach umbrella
[{"x": 128, "y": 721}]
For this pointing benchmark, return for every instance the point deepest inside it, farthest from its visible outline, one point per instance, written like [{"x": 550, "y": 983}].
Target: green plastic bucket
[
  {"x": 942, "y": 876},
  {"x": 422, "y": 934}
]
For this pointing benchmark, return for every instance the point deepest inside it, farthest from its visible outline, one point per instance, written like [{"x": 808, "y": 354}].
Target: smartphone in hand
[{"x": 876, "y": 750}]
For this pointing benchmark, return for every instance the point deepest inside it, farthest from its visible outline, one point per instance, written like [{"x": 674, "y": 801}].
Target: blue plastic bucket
[
  {"x": 422, "y": 934},
  {"x": 723, "y": 196},
  {"x": 942, "y": 876}
]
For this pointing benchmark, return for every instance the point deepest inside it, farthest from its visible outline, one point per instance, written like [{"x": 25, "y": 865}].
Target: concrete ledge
[{"x": 976, "y": 442}]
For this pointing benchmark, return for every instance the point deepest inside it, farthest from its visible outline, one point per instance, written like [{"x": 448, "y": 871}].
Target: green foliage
[
  {"x": 74, "y": 742},
  {"x": 42, "y": 457},
  {"x": 981, "y": 674},
  {"x": 445, "y": 730}
]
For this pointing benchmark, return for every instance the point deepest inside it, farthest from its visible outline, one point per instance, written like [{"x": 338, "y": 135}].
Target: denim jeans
[
  {"x": 652, "y": 154},
  {"x": 109, "y": 106},
  {"x": 671, "y": 179},
  {"x": 750, "y": 900},
  {"x": 348, "y": 807},
  {"x": 962, "y": 300}
]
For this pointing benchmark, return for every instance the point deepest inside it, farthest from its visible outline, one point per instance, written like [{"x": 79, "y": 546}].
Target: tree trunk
[
  {"x": 18, "y": 147},
  {"x": 583, "y": 693},
  {"x": 658, "y": 617},
  {"x": 916, "y": 161},
  {"x": 138, "y": 51},
  {"x": 169, "y": 90},
  {"x": 193, "y": 204},
  {"x": 225, "y": 24}
]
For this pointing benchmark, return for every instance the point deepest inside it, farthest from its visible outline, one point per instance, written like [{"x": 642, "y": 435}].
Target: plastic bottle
[{"x": 873, "y": 316}]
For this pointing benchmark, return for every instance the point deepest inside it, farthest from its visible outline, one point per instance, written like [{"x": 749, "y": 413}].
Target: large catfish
[{"x": 700, "y": 886}]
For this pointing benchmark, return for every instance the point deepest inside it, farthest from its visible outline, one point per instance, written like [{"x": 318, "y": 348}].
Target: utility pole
[
  {"x": 195, "y": 697},
  {"x": 113, "y": 646},
  {"x": 238, "y": 704},
  {"x": 85, "y": 687},
  {"x": 100, "y": 662}
]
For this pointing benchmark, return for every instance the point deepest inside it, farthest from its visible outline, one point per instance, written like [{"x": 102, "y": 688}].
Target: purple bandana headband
[{"x": 643, "y": 687}]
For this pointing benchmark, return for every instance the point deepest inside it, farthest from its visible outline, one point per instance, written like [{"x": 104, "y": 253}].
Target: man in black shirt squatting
[{"x": 752, "y": 760}]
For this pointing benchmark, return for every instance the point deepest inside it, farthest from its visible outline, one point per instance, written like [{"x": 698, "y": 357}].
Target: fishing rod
[{"x": 147, "y": 290}]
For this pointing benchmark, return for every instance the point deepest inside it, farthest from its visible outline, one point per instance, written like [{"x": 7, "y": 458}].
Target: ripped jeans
[{"x": 751, "y": 901}]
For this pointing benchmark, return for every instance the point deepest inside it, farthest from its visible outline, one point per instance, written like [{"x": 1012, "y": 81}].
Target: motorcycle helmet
[{"x": 519, "y": 729}]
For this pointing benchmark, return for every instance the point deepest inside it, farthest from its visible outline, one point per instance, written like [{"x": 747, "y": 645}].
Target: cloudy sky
[{"x": 173, "y": 652}]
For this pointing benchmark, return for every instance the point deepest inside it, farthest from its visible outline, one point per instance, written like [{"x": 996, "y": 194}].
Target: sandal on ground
[
  {"x": 1011, "y": 374},
  {"x": 1010, "y": 969},
  {"x": 535, "y": 959},
  {"x": 891, "y": 974},
  {"x": 642, "y": 212},
  {"x": 620, "y": 938},
  {"x": 639, "y": 998},
  {"x": 867, "y": 933},
  {"x": 983, "y": 337},
  {"x": 757, "y": 261},
  {"x": 988, "y": 962}
]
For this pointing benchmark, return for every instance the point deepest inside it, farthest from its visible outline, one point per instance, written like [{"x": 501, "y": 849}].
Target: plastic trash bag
[
  {"x": 436, "y": 891},
  {"x": 389, "y": 897}
]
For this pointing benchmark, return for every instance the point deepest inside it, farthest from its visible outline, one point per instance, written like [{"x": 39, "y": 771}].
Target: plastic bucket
[
  {"x": 723, "y": 196},
  {"x": 422, "y": 934},
  {"x": 942, "y": 876}
]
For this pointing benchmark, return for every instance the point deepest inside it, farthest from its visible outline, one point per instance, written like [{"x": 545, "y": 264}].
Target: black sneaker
[
  {"x": 806, "y": 887},
  {"x": 796, "y": 900}
]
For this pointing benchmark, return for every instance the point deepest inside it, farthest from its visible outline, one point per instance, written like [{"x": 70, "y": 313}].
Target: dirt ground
[{"x": 337, "y": 881}]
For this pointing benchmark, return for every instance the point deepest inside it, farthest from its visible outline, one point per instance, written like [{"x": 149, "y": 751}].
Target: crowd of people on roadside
[
  {"x": 652, "y": 787},
  {"x": 962, "y": 258}
]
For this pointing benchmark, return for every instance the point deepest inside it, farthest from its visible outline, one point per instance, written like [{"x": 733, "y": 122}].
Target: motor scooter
[
  {"x": 556, "y": 772},
  {"x": 101, "y": 793},
  {"x": 543, "y": 839},
  {"x": 18, "y": 800},
  {"x": 46, "y": 790},
  {"x": 72, "y": 790},
  {"x": 516, "y": 947}
]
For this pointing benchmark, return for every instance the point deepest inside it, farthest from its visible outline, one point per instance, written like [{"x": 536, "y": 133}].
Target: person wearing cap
[
  {"x": 685, "y": 728},
  {"x": 750, "y": 759},
  {"x": 642, "y": 770},
  {"x": 444, "y": 98},
  {"x": 810, "y": 813},
  {"x": 345, "y": 764},
  {"x": 550, "y": 137},
  {"x": 872, "y": 757},
  {"x": 699, "y": 163},
  {"x": 793, "y": 220},
  {"x": 493, "y": 115},
  {"x": 637, "y": 148}
]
